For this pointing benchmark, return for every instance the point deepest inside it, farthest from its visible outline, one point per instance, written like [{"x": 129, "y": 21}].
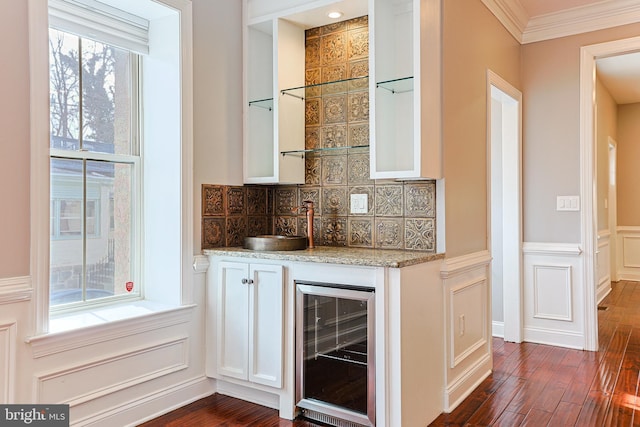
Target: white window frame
[{"x": 168, "y": 294}]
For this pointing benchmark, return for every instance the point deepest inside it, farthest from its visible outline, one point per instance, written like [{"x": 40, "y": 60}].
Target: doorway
[{"x": 504, "y": 145}]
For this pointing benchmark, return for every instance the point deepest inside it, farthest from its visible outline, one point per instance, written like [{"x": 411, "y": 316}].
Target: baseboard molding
[
  {"x": 497, "y": 329},
  {"x": 259, "y": 397},
  {"x": 150, "y": 406},
  {"x": 466, "y": 383},
  {"x": 553, "y": 337},
  {"x": 604, "y": 288},
  {"x": 633, "y": 277}
]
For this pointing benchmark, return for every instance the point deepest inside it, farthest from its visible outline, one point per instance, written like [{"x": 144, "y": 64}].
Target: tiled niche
[{"x": 400, "y": 215}]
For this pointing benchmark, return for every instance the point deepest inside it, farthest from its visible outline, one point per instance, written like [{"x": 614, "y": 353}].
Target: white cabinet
[
  {"x": 273, "y": 121},
  {"x": 405, "y": 88},
  {"x": 249, "y": 321}
]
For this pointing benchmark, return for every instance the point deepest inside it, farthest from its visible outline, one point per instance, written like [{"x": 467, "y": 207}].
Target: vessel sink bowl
[{"x": 269, "y": 242}]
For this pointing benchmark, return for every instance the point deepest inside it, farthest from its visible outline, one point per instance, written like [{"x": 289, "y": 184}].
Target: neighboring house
[{"x": 131, "y": 371}]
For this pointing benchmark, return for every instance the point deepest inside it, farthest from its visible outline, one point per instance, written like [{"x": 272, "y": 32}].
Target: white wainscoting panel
[
  {"x": 468, "y": 327},
  {"x": 7, "y": 361},
  {"x": 553, "y": 294},
  {"x": 603, "y": 259},
  {"x": 111, "y": 374},
  {"x": 628, "y": 253}
]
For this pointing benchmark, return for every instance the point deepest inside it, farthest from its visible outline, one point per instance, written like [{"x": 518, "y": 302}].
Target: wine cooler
[{"x": 335, "y": 363}]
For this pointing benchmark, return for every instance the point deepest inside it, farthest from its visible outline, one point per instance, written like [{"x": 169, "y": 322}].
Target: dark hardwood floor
[{"x": 531, "y": 385}]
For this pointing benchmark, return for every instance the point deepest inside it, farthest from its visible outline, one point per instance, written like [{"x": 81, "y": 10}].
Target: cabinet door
[
  {"x": 233, "y": 320},
  {"x": 266, "y": 325}
]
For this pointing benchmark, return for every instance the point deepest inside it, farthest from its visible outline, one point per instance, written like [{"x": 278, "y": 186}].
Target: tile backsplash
[{"x": 399, "y": 215}]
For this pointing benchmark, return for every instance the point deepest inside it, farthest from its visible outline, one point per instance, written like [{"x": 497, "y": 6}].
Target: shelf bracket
[
  {"x": 284, "y": 153},
  {"x": 393, "y": 91},
  {"x": 260, "y": 106},
  {"x": 290, "y": 94}
]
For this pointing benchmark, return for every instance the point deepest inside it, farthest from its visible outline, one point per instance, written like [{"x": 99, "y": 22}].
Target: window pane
[
  {"x": 111, "y": 251},
  {"x": 66, "y": 253},
  {"x": 106, "y": 108},
  {"x": 64, "y": 87}
]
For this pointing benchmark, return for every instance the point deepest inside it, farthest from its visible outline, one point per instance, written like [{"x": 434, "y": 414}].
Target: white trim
[
  {"x": 39, "y": 173},
  {"x": 250, "y": 394},
  {"x": 551, "y": 248},
  {"x": 554, "y": 337},
  {"x": 466, "y": 383},
  {"x": 497, "y": 329},
  {"x": 15, "y": 289},
  {"x": 46, "y": 345},
  {"x": 511, "y": 15},
  {"x": 8, "y": 333},
  {"x": 451, "y": 267},
  {"x": 568, "y": 316},
  {"x": 592, "y": 17},
  {"x": 588, "y": 55}
]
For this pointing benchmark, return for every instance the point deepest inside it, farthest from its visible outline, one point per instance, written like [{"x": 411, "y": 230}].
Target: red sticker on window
[{"x": 129, "y": 286}]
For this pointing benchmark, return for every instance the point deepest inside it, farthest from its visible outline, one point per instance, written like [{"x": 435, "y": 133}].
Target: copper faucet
[{"x": 308, "y": 207}]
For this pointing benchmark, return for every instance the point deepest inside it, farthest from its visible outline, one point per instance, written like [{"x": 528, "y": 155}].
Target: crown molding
[
  {"x": 511, "y": 14},
  {"x": 596, "y": 16}
]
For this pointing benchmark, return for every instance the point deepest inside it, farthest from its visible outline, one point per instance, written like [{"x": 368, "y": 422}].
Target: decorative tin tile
[
  {"x": 312, "y": 112},
  {"x": 317, "y": 229},
  {"x": 336, "y": 74},
  {"x": 419, "y": 234},
  {"x": 389, "y": 233},
  {"x": 270, "y": 200},
  {"x": 388, "y": 200},
  {"x": 333, "y": 28},
  {"x": 362, "y": 21},
  {"x": 286, "y": 200},
  {"x": 212, "y": 200},
  {"x": 312, "y": 194},
  {"x": 360, "y": 232},
  {"x": 363, "y": 189},
  {"x": 313, "y": 77},
  {"x": 334, "y": 170},
  {"x": 312, "y": 137},
  {"x": 358, "y": 169},
  {"x": 313, "y": 170},
  {"x": 357, "y": 69},
  {"x": 419, "y": 199},
  {"x": 236, "y": 201},
  {"x": 334, "y": 136},
  {"x": 334, "y": 109},
  {"x": 333, "y": 49},
  {"x": 358, "y": 44},
  {"x": 256, "y": 201},
  {"x": 334, "y": 201},
  {"x": 313, "y": 32},
  {"x": 359, "y": 106},
  {"x": 312, "y": 53},
  {"x": 257, "y": 225},
  {"x": 334, "y": 231},
  {"x": 236, "y": 230},
  {"x": 213, "y": 232},
  {"x": 358, "y": 134},
  {"x": 286, "y": 225}
]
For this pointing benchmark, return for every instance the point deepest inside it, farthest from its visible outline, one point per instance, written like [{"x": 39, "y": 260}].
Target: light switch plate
[
  {"x": 359, "y": 203},
  {"x": 568, "y": 203}
]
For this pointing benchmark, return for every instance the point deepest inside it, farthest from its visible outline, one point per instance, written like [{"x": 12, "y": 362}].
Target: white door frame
[
  {"x": 612, "y": 220},
  {"x": 511, "y": 211},
  {"x": 588, "y": 225}
]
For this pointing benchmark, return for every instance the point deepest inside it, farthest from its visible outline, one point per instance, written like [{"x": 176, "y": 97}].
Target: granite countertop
[{"x": 335, "y": 255}]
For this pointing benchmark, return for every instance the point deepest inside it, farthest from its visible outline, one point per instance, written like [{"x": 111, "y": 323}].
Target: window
[{"x": 94, "y": 171}]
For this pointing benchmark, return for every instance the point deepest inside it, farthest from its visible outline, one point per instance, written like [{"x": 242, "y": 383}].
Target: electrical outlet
[
  {"x": 461, "y": 324},
  {"x": 359, "y": 203}
]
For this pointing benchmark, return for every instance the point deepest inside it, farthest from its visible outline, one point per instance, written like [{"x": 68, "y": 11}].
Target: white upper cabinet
[
  {"x": 273, "y": 122},
  {"x": 405, "y": 88}
]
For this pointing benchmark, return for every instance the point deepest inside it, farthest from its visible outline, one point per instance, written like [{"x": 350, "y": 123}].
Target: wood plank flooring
[{"x": 531, "y": 385}]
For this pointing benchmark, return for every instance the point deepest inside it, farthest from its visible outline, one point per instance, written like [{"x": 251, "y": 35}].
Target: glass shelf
[
  {"x": 328, "y": 88},
  {"x": 267, "y": 103},
  {"x": 402, "y": 85},
  {"x": 301, "y": 153}
]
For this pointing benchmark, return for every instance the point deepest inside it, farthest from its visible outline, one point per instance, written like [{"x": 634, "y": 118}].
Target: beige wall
[
  {"x": 474, "y": 41},
  {"x": 14, "y": 140},
  {"x": 628, "y": 171},
  {"x": 551, "y": 87},
  {"x": 606, "y": 126}
]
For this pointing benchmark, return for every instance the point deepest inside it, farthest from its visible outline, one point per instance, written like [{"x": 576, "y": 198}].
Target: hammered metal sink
[{"x": 270, "y": 242}]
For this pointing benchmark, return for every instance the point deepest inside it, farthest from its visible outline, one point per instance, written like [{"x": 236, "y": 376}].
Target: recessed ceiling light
[{"x": 334, "y": 14}]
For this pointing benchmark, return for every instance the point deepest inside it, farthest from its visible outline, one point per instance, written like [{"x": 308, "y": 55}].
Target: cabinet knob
[{"x": 247, "y": 281}]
